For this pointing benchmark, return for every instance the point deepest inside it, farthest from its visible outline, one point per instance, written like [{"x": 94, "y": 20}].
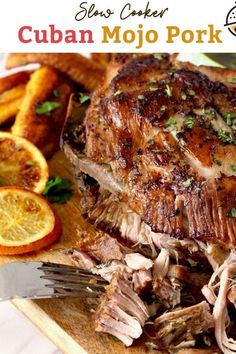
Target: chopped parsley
[
  {"x": 151, "y": 81},
  {"x": 188, "y": 182},
  {"x": 230, "y": 119},
  {"x": 226, "y": 137},
  {"x": 118, "y": 92},
  {"x": 217, "y": 162},
  {"x": 169, "y": 90},
  {"x": 171, "y": 122},
  {"x": 47, "y": 107},
  {"x": 58, "y": 190},
  {"x": 158, "y": 56},
  {"x": 153, "y": 89},
  {"x": 233, "y": 168},
  {"x": 163, "y": 107},
  {"x": 232, "y": 213},
  {"x": 189, "y": 122},
  {"x": 191, "y": 92},
  {"x": 83, "y": 98},
  {"x": 56, "y": 93},
  {"x": 232, "y": 80},
  {"x": 212, "y": 113},
  {"x": 141, "y": 97}
]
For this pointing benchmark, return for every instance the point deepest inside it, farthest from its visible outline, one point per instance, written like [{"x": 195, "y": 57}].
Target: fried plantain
[
  {"x": 80, "y": 69},
  {"x": 43, "y": 109}
]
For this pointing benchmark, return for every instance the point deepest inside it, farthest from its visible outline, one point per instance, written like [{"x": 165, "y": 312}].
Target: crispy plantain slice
[
  {"x": 10, "y": 81},
  {"x": 12, "y": 94},
  {"x": 83, "y": 71},
  {"x": 10, "y": 102},
  {"x": 43, "y": 109}
]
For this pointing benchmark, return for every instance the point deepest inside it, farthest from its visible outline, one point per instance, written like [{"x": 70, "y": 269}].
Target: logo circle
[{"x": 231, "y": 20}]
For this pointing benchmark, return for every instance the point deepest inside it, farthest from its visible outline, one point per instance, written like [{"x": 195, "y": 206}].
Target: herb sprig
[
  {"x": 232, "y": 213},
  {"x": 58, "y": 190},
  {"x": 83, "y": 98},
  {"x": 47, "y": 107},
  {"x": 226, "y": 137},
  {"x": 188, "y": 182}
]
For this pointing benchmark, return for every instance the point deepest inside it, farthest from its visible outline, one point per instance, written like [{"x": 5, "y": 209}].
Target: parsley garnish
[
  {"x": 217, "y": 162},
  {"x": 188, "y": 182},
  {"x": 169, "y": 90},
  {"x": 58, "y": 190},
  {"x": 232, "y": 213},
  {"x": 56, "y": 93},
  {"x": 83, "y": 98},
  {"x": 171, "y": 122},
  {"x": 151, "y": 81},
  {"x": 233, "y": 168},
  {"x": 230, "y": 119},
  {"x": 158, "y": 56},
  {"x": 153, "y": 89},
  {"x": 226, "y": 137},
  {"x": 163, "y": 107},
  {"x": 118, "y": 92},
  {"x": 232, "y": 80},
  {"x": 141, "y": 97},
  {"x": 47, "y": 107},
  {"x": 191, "y": 92},
  {"x": 189, "y": 123},
  {"x": 211, "y": 112}
]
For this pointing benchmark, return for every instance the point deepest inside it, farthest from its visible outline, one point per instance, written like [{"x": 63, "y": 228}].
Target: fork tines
[{"x": 71, "y": 281}]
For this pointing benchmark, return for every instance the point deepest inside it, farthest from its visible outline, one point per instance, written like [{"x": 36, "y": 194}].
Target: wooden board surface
[{"x": 67, "y": 322}]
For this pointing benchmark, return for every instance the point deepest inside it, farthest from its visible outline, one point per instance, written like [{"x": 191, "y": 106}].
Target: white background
[
  {"x": 19, "y": 336},
  {"x": 186, "y": 14}
]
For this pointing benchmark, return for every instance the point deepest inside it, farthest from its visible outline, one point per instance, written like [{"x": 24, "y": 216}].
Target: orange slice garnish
[
  {"x": 27, "y": 222},
  {"x": 21, "y": 164}
]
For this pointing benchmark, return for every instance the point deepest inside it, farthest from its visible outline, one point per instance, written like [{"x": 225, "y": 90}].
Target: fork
[{"x": 40, "y": 280}]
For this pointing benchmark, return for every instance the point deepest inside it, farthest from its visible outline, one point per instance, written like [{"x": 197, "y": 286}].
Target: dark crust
[{"x": 125, "y": 112}]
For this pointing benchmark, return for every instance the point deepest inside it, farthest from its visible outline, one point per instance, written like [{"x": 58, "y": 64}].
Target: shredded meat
[
  {"x": 137, "y": 261},
  {"x": 180, "y": 328},
  {"x": 154, "y": 158},
  {"x": 216, "y": 292},
  {"x": 121, "y": 313},
  {"x": 101, "y": 246}
]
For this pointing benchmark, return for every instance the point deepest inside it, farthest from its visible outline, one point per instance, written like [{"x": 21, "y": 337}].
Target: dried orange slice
[
  {"x": 21, "y": 164},
  {"x": 27, "y": 221}
]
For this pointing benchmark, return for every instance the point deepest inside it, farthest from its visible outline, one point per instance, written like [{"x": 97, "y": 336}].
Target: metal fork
[{"x": 40, "y": 280}]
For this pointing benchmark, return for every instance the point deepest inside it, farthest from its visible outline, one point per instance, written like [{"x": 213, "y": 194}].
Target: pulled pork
[
  {"x": 179, "y": 329},
  {"x": 121, "y": 313}
]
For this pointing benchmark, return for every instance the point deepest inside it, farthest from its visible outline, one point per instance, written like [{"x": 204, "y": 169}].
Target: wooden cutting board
[{"x": 67, "y": 322}]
